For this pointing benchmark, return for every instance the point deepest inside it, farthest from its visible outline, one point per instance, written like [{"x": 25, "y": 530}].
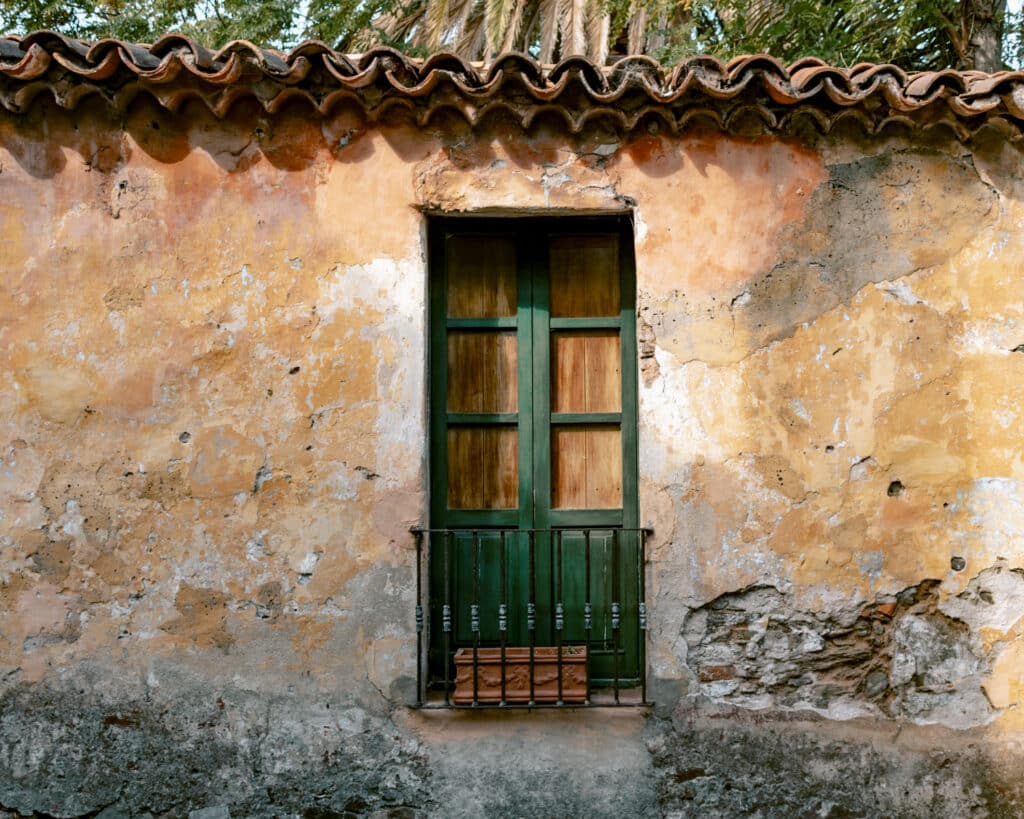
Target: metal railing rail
[{"x": 437, "y": 549}]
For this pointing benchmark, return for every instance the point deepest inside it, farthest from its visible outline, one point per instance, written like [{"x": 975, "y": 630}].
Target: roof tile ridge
[
  {"x": 133, "y": 55},
  {"x": 578, "y": 65},
  {"x": 921, "y": 83},
  {"x": 43, "y": 37},
  {"x": 697, "y": 69},
  {"x": 987, "y": 84},
  {"x": 290, "y": 68},
  {"x": 312, "y": 50},
  {"x": 754, "y": 62},
  {"x": 524, "y": 64},
  {"x": 201, "y": 56},
  {"x": 90, "y": 70},
  {"x": 33, "y": 62},
  {"x": 635, "y": 70}
]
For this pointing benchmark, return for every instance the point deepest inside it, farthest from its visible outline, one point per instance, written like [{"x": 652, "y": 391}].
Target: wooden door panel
[
  {"x": 483, "y": 467},
  {"x": 481, "y": 277},
  {"x": 586, "y": 371},
  {"x": 584, "y": 276},
  {"x": 482, "y": 371},
  {"x": 586, "y": 467}
]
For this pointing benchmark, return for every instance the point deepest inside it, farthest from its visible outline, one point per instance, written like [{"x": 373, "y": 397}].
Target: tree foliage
[
  {"x": 915, "y": 34},
  {"x": 212, "y": 22}
]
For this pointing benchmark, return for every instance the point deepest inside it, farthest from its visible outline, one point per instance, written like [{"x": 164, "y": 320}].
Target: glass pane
[
  {"x": 483, "y": 467},
  {"x": 586, "y": 371},
  {"x": 482, "y": 371},
  {"x": 586, "y": 467},
  {"x": 585, "y": 276},
  {"x": 481, "y": 277}
]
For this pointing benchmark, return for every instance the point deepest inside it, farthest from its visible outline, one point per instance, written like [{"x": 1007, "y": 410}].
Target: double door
[{"x": 533, "y": 435}]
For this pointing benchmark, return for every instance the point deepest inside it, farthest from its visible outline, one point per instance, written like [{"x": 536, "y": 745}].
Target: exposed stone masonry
[{"x": 902, "y": 657}]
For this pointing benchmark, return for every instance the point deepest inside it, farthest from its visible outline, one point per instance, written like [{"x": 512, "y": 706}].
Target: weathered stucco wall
[{"x": 214, "y": 443}]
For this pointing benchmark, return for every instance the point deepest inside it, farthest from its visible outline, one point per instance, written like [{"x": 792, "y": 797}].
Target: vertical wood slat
[
  {"x": 584, "y": 275},
  {"x": 586, "y": 371},
  {"x": 482, "y": 371},
  {"x": 483, "y": 470},
  {"x": 586, "y": 467},
  {"x": 481, "y": 277}
]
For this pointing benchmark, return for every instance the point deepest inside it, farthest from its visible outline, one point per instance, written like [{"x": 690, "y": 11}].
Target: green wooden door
[{"x": 533, "y": 431}]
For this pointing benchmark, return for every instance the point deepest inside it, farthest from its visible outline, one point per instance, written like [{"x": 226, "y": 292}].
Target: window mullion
[
  {"x": 527, "y": 422},
  {"x": 438, "y": 366},
  {"x": 541, "y": 361},
  {"x": 630, "y": 385}
]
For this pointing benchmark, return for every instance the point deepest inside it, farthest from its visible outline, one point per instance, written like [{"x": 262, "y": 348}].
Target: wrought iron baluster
[
  {"x": 446, "y": 615},
  {"x": 559, "y": 610},
  {"x": 474, "y": 617},
  {"x": 419, "y": 619},
  {"x": 588, "y": 612},
  {"x": 615, "y": 612},
  {"x": 531, "y": 607},
  {"x": 503, "y": 614},
  {"x": 641, "y": 571}
]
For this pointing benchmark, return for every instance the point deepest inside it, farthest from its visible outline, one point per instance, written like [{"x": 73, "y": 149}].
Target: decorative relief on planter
[{"x": 517, "y": 675}]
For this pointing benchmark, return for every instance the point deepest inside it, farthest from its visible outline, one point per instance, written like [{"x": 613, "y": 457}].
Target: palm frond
[
  {"x": 473, "y": 38},
  {"x": 598, "y": 26},
  {"x": 511, "y": 41},
  {"x": 574, "y": 40},
  {"x": 497, "y": 17},
  {"x": 460, "y": 14},
  {"x": 549, "y": 20},
  {"x": 435, "y": 23}
]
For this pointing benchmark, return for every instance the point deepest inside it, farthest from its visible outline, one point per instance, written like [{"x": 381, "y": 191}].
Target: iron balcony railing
[{"x": 531, "y": 618}]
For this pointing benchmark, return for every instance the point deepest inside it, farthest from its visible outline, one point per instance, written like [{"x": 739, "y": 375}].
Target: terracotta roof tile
[{"x": 627, "y": 94}]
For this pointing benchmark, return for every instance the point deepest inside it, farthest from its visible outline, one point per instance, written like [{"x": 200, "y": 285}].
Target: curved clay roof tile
[
  {"x": 226, "y": 74},
  {"x": 452, "y": 63},
  {"x": 173, "y": 42},
  {"x": 165, "y": 71},
  {"x": 863, "y": 72},
  {"x": 133, "y": 56},
  {"x": 102, "y": 70},
  {"x": 53, "y": 42},
  {"x": 393, "y": 63},
  {"x": 925, "y": 83},
  {"x": 754, "y": 62},
  {"x": 842, "y": 94},
  {"x": 814, "y": 75},
  {"x": 974, "y": 106},
  {"x": 30, "y": 64},
  {"x": 353, "y": 76},
  {"x": 516, "y": 64},
  {"x": 992, "y": 83},
  {"x": 633, "y": 91},
  {"x": 580, "y": 66},
  {"x": 313, "y": 50}
]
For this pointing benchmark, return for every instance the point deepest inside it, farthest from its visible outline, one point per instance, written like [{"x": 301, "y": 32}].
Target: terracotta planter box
[{"x": 517, "y": 675}]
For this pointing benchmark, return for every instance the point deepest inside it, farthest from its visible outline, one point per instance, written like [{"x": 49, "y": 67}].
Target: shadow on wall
[
  {"x": 292, "y": 138},
  {"x": 289, "y": 139}
]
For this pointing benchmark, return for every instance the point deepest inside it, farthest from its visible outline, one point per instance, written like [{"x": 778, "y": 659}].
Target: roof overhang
[{"x": 753, "y": 93}]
